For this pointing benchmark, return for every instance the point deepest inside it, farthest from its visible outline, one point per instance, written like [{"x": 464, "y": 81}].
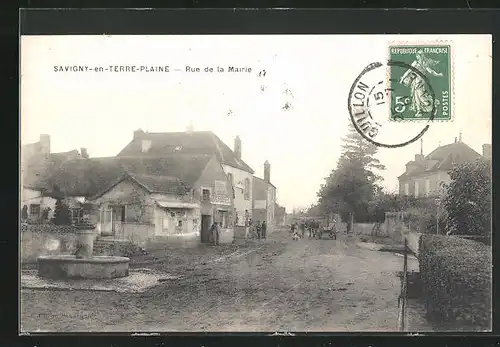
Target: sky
[{"x": 313, "y": 74}]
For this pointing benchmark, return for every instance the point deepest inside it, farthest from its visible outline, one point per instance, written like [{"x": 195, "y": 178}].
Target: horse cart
[{"x": 329, "y": 229}]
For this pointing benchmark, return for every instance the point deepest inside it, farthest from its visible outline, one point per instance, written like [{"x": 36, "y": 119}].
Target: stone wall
[
  {"x": 138, "y": 233},
  {"x": 46, "y": 239},
  {"x": 363, "y": 228}
]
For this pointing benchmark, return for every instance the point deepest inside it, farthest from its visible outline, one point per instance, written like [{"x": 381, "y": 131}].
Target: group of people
[
  {"x": 298, "y": 230},
  {"x": 258, "y": 230}
]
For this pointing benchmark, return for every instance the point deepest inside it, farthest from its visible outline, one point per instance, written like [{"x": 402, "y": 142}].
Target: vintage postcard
[{"x": 267, "y": 183}]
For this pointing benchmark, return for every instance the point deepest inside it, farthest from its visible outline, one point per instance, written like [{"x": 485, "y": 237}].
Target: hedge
[{"x": 456, "y": 280}]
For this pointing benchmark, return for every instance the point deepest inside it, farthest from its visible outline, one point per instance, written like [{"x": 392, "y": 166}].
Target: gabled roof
[
  {"x": 263, "y": 182},
  {"x": 443, "y": 158},
  {"x": 196, "y": 142},
  {"x": 38, "y": 168},
  {"x": 92, "y": 177}
]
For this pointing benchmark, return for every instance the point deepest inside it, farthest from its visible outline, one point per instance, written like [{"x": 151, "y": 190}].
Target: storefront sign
[
  {"x": 260, "y": 204},
  {"x": 221, "y": 195}
]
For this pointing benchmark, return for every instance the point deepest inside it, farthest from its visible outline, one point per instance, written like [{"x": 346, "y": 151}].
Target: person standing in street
[
  {"x": 302, "y": 229},
  {"x": 258, "y": 228},
  {"x": 264, "y": 229},
  {"x": 215, "y": 234},
  {"x": 24, "y": 213}
]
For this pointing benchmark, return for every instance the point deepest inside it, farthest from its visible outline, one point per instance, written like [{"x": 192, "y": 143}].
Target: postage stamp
[{"x": 424, "y": 90}]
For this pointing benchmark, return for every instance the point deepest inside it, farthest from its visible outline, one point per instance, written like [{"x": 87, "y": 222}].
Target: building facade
[
  {"x": 279, "y": 215},
  {"x": 426, "y": 175},
  {"x": 38, "y": 164},
  {"x": 264, "y": 199},
  {"x": 238, "y": 172},
  {"x": 172, "y": 198}
]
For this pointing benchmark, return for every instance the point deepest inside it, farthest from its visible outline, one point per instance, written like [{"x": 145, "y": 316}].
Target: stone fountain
[{"x": 82, "y": 264}]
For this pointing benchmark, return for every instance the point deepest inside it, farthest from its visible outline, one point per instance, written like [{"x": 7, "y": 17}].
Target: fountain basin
[{"x": 69, "y": 266}]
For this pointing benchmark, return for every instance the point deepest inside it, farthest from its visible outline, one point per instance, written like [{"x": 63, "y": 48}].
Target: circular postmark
[{"x": 387, "y": 103}]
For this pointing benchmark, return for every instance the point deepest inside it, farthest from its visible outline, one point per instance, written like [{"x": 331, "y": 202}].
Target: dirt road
[{"x": 278, "y": 285}]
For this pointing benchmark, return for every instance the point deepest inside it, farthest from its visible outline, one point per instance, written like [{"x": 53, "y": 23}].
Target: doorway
[{"x": 206, "y": 223}]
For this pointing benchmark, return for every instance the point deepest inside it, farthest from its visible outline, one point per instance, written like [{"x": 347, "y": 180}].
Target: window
[
  {"x": 76, "y": 215},
  {"x": 231, "y": 180},
  {"x": 416, "y": 189},
  {"x": 407, "y": 189},
  {"x": 34, "y": 210},
  {"x": 205, "y": 195},
  {"x": 247, "y": 189},
  {"x": 118, "y": 213},
  {"x": 427, "y": 187}
]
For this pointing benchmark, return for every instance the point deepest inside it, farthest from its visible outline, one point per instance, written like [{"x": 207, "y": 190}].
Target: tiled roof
[
  {"x": 38, "y": 168},
  {"x": 196, "y": 142},
  {"x": 85, "y": 177},
  {"x": 443, "y": 159},
  {"x": 261, "y": 182},
  {"x": 90, "y": 177}
]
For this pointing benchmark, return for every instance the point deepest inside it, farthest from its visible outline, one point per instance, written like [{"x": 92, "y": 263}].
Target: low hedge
[{"x": 456, "y": 280}]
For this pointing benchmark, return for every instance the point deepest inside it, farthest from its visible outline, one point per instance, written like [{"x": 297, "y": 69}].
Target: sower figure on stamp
[{"x": 421, "y": 100}]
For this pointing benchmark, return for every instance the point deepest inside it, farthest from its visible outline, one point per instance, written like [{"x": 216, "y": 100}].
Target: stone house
[
  {"x": 239, "y": 173},
  {"x": 37, "y": 165},
  {"x": 425, "y": 175},
  {"x": 264, "y": 199},
  {"x": 279, "y": 215},
  {"x": 141, "y": 199}
]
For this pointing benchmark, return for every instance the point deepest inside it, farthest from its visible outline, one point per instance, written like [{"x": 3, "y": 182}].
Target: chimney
[
  {"x": 460, "y": 136},
  {"x": 84, "y": 153},
  {"x": 419, "y": 158},
  {"x": 145, "y": 145},
  {"x": 267, "y": 172},
  {"x": 190, "y": 127},
  {"x": 138, "y": 133},
  {"x": 487, "y": 151},
  {"x": 237, "y": 147},
  {"x": 45, "y": 143},
  {"x": 455, "y": 139}
]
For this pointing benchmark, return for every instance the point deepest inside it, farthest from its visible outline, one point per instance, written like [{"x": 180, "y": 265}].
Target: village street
[{"x": 275, "y": 285}]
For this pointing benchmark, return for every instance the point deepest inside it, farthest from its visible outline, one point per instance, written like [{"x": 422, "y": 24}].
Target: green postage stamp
[{"x": 421, "y": 82}]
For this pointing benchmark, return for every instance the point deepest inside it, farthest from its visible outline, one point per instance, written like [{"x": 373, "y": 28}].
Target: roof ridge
[{"x": 217, "y": 142}]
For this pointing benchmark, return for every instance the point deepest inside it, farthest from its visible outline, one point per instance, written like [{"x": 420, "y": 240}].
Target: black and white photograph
[{"x": 255, "y": 183}]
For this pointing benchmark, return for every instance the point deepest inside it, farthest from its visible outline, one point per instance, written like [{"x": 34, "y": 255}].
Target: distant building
[
  {"x": 264, "y": 199},
  {"x": 279, "y": 215},
  {"x": 37, "y": 165},
  {"x": 424, "y": 176},
  {"x": 239, "y": 173}
]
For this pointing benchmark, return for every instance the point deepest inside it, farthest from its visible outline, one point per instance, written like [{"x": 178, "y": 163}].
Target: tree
[
  {"x": 468, "y": 199},
  {"x": 353, "y": 184},
  {"x": 384, "y": 202},
  {"x": 62, "y": 214}
]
